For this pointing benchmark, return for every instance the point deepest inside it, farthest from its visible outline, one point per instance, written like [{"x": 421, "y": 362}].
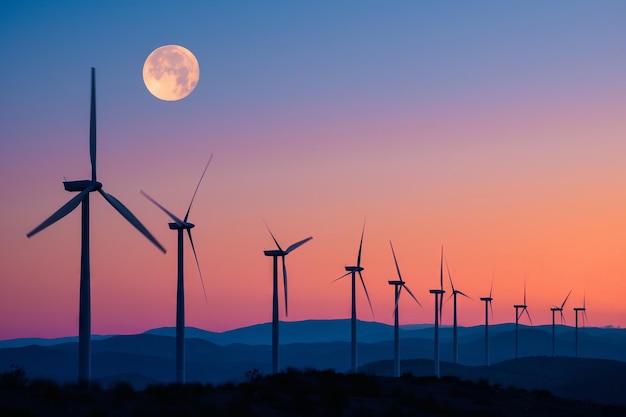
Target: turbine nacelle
[
  {"x": 486, "y": 299},
  {"x": 184, "y": 225},
  {"x": 275, "y": 252},
  {"x": 354, "y": 268},
  {"x": 80, "y": 185},
  {"x": 396, "y": 282},
  {"x": 520, "y": 306}
]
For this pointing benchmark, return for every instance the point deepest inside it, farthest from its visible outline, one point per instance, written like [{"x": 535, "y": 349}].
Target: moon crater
[{"x": 171, "y": 72}]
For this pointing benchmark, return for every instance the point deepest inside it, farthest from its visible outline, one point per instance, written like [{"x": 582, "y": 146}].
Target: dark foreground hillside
[{"x": 293, "y": 393}]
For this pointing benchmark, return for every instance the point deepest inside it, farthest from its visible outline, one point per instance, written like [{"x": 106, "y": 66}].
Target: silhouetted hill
[
  {"x": 293, "y": 393},
  {"x": 596, "y": 380}
]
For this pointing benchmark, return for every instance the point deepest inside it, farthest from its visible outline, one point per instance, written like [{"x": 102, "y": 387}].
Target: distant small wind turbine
[
  {"x": 353, "y": 270},
  {"x": 560, "y": 310},
  {"x": 181, "y": 226},
  {"x": 84, "y": 187},
  {"x": 518, "y": 315},
  {"x": 582, "y": 309},
  {"x": 438, "y": 310},
  {"x": 488, "y": 304},
  {"x": 275, "y": 254},
  {"x": 398, "y": 285},
  {"x": 455, "y": 338}
]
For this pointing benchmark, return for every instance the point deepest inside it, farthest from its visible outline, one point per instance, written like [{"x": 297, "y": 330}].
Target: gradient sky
[{"x": 497, "y": 129}]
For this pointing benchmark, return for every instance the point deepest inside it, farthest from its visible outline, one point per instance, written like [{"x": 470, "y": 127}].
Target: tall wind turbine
[
  {"x": 455, "y": 338},
  {"x": 275, "y": 254},
  {"x": 353, "y": 270},
  {"x": 582, "y": 309},
  {"x": 180, "y": 226},
  {"x": 518, "y": 315},
  {"x": 398, "y": 285},
  {"x": 438, "y": 310},
  {"x": 488, "y": 304},
  {"x": 560, "y": 310},
  {"x": 84, "y": 187}
]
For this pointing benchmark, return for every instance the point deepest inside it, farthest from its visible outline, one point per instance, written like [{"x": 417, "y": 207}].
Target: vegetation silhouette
[{"x": 291, "y": 393}]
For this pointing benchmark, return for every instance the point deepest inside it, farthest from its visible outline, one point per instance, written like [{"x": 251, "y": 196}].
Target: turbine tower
[
  {"x": 455, "y": 338},
  {"x": 582, "y": 309},
  {"x": 518, "y": 315},
  {"x": 398, "y": 285},
  {"x": 488, "y": 304},
  {"x": 275, "y": 254},
  {"x": 353, "y": 270},
  {"x": 180, "y": 226},
  {"x": 560, "y": 310},
  {"x": 84, "y": 187},
  {"x": 438, "y": 310}
]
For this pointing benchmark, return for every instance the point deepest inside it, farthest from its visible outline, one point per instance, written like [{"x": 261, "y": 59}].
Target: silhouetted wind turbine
[
  {"x": 518, "y": 315},
  {"x": 488, "y": 304},
  {"x": 560, "y": 310},
  {"x": 582, "y": 309},
  {"x": 275, "y": 254},
  {"x": 84, "y": 187},
  {"x": 438, "y": 309},
  {"x": 455, "y": 338},
  {"x": 353, "y": 270},
  {"x": 398, "y": 285},
  {"x": 180, "y": 226}
]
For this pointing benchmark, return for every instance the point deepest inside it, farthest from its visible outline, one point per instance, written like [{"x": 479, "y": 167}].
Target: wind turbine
[
  {"x": 275, "y": 254},
  {"x": 438, "y": 310},
  {"x": 455, "y": 338},
  {"x": 518, "y": 315},
  {"x": 582, "y": 309},
  {"x": 560, "y": 310},
  {"x": 353, "y": 270},
  {"x": 398, "y": 285},
  {"x": 84, "y": 187},
  {"x": 180, "y": 226},
  {"x": 488, "y": 304}
]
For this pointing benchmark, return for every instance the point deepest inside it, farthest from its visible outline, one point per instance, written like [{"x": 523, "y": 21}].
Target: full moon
[{"x": 171, "y": 72}]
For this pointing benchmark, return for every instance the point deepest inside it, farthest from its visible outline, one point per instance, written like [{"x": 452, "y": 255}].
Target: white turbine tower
[
  {"x": 353, "y": 270},
  {"x": 488, "y": 304},
  {"x": 560, "y": 310},
  {"x": 398, "y": 285},
  {"x": 180, "y": 226},
  {"x": 275, "y": 254},
  {"x": 84, "y": 187},
  {"x": 438, "y": 310},
  {"x": 455, "y": 337},
  {"x": 518, "y": 315}
]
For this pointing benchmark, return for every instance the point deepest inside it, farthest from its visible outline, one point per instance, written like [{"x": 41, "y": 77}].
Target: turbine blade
[
  {"x": 285, "y": 284},
  {"x": 366, "y": 294},
  {"x": 449, "y": 275},
  {"x": 565, "y": 301},
  {"x": 92, "y": 125},
  {"x": 395, "y": 310},
  {"x": 529, "y": 318},
  {"x": 441, "y": 270},
  {"x": 524, "y": 289},
  {"x": 396, "y": 261},
  {"x": 358, "y": 258},
  {"x": 343, "y": 276},
  {"x": 298, "y": 244},
  {"x": 117, "y": 205},
  {"x": 66, "y": 209},
  {"x": 197, "y": 186},
  {"x": 169, "y": 213},
  {"x": 464, "y": 295},
  {"x": 563, "y": 318},
  {"x": 491, "y": 289},
  {"x": 272, "y": 234},
  {"x": 491, "y": 306},
  {"x": 585, "y": 318},
  {"x": 193, "y": 248},
  {"x": 411, "y": 294},
  {"x": 584, "y": 299}
]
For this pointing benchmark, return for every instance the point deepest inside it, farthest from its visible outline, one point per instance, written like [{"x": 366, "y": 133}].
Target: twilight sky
[{"x": 497, "y": 129}]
